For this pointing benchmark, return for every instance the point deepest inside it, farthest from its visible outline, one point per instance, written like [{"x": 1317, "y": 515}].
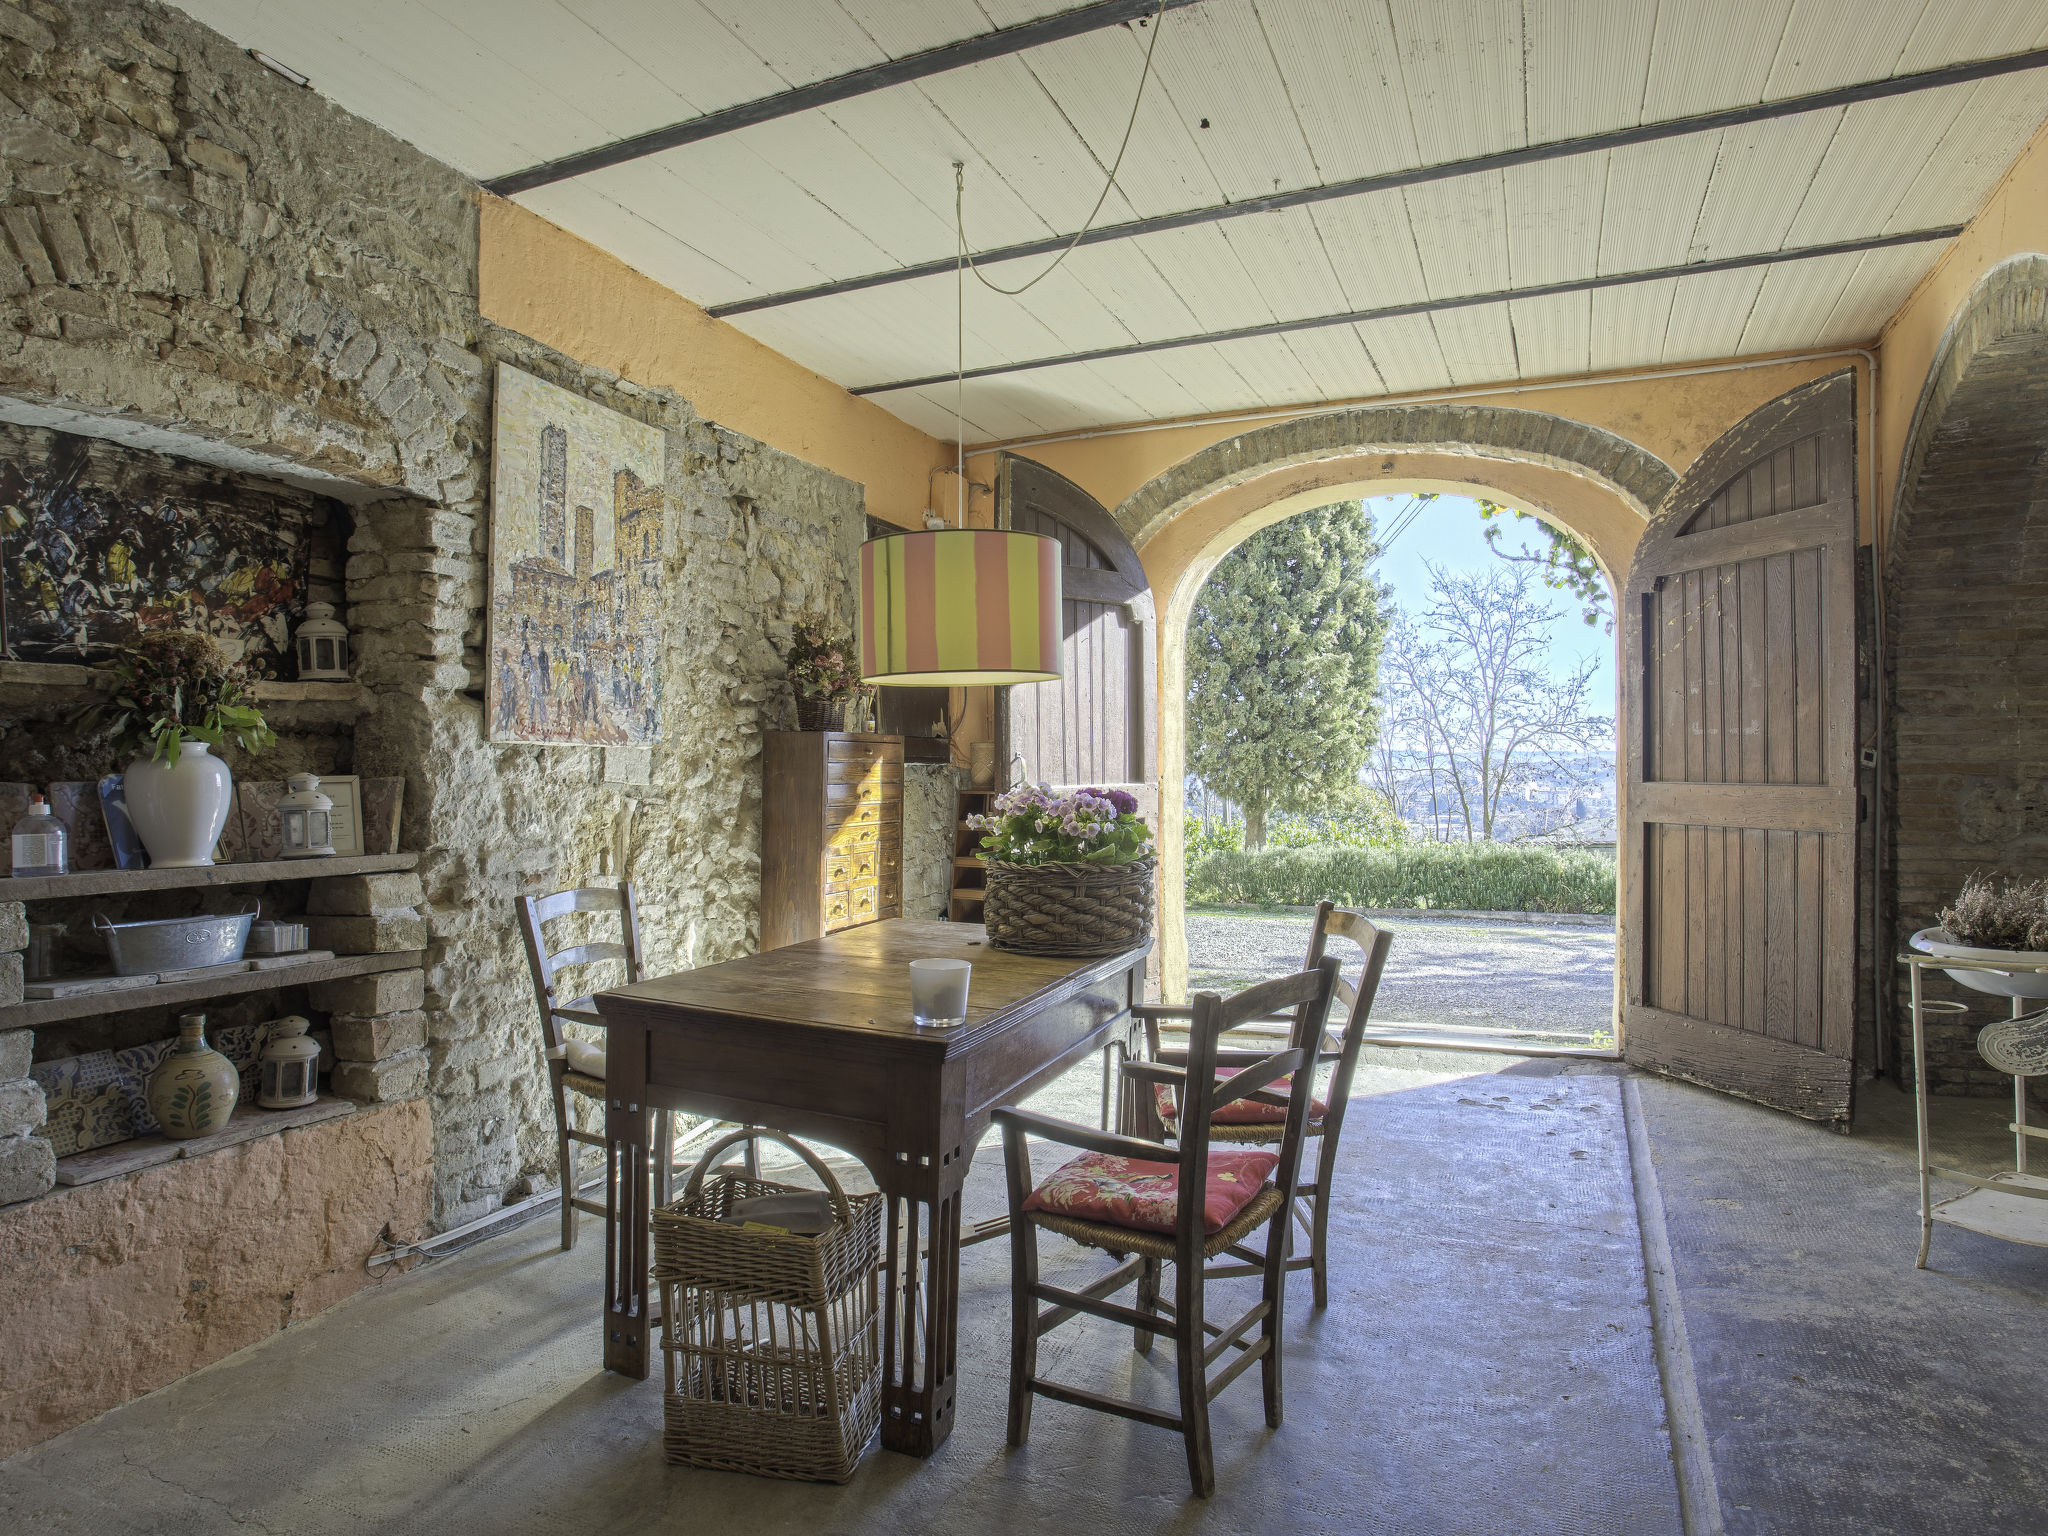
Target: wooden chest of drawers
[{"x": 831, "y": 833}]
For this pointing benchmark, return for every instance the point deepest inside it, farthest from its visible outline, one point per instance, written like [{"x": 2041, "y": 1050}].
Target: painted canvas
[
  {"x": 102, "y": 542},
  {"x": 577, "y": 561}
]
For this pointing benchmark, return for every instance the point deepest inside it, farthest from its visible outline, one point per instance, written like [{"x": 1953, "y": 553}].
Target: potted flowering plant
[
  {"x": 176, "y": 695},
  {"x": 822, "y": 675},
  {"x": 1068, "y": 874}
]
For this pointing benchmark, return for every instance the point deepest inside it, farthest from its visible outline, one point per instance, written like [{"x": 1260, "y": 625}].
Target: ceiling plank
[
  {"x": 1785, "y": 258},
  {"x": 820, "y": 93},
  {"x": 1944, "y": 77}
]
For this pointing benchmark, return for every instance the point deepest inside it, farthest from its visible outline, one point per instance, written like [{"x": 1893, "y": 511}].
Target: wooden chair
[
  {"x": 1167, "y": 1211},
  {"x": 576, "y": 1066},
  {"x": 1337, "y": 1051}
]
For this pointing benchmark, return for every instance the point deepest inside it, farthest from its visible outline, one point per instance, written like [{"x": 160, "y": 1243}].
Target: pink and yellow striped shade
[{"x": 960, "y": 607}]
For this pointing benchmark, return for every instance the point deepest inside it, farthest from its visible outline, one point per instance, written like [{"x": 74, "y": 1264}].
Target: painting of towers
[{"x": 574, "y": 650}]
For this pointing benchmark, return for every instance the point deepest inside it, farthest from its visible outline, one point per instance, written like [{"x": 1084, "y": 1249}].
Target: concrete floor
[{"x": 1487, "y": 1364}]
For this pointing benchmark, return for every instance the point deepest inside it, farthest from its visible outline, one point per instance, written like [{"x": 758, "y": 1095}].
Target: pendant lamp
[{"x": 959, "y": 607}]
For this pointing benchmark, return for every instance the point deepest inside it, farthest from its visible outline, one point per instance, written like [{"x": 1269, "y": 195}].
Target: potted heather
[
  {"x": 1068, "y": 874},
  {"x": 176, "y": 696},
  {"x": 823, "y": 675},
  {"x": 1994, "y": 919}
]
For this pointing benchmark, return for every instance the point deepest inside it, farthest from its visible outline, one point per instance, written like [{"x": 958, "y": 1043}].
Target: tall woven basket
[
  {"x": 771, "y": 1344},
  {"x": 1068, "y": 909}
]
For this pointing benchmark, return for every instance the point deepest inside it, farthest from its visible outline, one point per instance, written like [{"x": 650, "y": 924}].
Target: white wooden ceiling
[{"x": 1294, "y": 93}]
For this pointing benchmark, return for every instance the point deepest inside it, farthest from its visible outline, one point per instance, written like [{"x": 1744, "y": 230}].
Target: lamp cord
[{"x": 963, "y": 263}]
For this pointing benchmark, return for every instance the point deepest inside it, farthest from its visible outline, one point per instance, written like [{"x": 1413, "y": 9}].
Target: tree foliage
[
  {"x": 1563, "y": 565},
  {"x": 1283, "y": 665}
]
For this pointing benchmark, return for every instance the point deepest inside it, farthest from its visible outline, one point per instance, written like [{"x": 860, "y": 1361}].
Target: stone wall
[
  {"x": 194, "y": 244},
  {"x": 931, "y": 794},
  {"x": 1967, "y": 575}
]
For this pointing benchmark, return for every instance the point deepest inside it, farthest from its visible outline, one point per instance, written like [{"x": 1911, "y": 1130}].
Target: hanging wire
[
  {"x": 959, "y": 181},
  {"x": 963, "y": 263}
]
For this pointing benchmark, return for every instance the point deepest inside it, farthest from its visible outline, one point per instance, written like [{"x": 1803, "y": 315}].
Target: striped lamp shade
[{"x": 959, "y": 607}]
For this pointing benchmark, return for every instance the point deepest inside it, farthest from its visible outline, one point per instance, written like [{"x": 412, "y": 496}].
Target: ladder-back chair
[
  {"x": 577, "y": 1066},
  {"x": 1252, "y": 1123},
  {"x": 1147, "y": 1205}
]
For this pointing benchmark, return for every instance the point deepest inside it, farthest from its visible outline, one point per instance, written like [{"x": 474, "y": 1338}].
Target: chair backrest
[
  {"x": 536, "y": 912},
  {"x": 1308, "y": 995},
  {"x": 1356, "y": 999}
]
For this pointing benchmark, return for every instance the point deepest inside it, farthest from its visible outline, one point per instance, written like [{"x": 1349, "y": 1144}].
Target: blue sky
[{"x": 1447, "y": 533}]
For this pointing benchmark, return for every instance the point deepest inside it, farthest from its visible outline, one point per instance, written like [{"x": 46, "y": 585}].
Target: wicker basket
[
  {"x": 820, "y": 714},
  {"x": 1068, "y": 909},
  {"x": 771, "y": 1340}
]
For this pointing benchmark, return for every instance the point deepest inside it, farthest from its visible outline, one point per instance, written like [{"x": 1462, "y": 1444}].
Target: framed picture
[
  {"x": 578, "y": 563},
  {"x": 346, "y": 791}
]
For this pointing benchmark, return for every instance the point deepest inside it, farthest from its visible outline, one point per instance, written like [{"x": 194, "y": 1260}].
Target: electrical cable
[{"x": 960, "y": 182}]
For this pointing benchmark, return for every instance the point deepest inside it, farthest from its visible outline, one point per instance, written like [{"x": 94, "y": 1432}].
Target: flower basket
[
  {"x": 820, "y": 714},
  {"x": 1069, "y": 909}
]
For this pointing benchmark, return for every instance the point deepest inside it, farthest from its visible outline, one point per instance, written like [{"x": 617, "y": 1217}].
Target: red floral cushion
[
  {"x": 1240, "y": 1111},
  {"x": 1130, "y": 1193}
]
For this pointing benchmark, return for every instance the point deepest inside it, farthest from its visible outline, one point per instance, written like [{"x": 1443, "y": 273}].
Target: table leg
[
  {"x": 920, "y": 1321},
  {"x": 628, "y": 1315}
]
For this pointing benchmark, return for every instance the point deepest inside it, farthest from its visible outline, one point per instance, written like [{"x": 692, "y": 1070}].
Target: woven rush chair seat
[
  {"x": 1245, "y": 1112},
  {"x": 1122, "y": 1242}
]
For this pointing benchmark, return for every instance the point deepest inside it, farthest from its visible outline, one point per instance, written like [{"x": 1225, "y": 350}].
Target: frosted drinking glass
[{"x": 938, "y": 991}]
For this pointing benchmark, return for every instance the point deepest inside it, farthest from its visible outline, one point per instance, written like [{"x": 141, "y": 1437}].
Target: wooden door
[
  {"x": 1094, "y": 725},
  {"x": 1739, "y": 678}
]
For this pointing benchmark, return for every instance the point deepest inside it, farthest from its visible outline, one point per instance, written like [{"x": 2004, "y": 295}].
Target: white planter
[
  {"x": 181, "y": 807},
  {"x": 1935, "y": 941}
]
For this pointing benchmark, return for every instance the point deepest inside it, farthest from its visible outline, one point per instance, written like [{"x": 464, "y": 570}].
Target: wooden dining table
[{"x": 817, "y": 1040}]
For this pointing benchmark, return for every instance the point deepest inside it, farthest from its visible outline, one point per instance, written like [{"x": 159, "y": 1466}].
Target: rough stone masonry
[{"x": 188, "y": 241}]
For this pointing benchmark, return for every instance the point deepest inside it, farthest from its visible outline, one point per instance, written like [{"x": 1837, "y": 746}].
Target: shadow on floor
[{"x": 1487, "y": 1349}]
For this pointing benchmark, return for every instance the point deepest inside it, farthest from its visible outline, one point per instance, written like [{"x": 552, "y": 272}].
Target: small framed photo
[{"x": 346, "y": 791}]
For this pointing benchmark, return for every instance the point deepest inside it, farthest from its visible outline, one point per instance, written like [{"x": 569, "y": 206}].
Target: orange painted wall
[
  {"x": 2014, "y": 220},
  {"x": 544, "y": 282}
]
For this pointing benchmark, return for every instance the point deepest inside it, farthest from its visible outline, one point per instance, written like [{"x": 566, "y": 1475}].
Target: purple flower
[{"x": 1125, "y": 802}]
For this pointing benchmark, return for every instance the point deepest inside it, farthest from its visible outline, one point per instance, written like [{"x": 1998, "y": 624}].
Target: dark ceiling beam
[
  {"x": 823, "y": 93},
  {"x": 1556, "y": 149},
  {"x": 1432, "y": 306}
]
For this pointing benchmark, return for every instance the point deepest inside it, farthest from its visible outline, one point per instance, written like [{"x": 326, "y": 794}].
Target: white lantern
[
  {"x": 308, "y": 818},
  {"x": 322, "y": 642},
  {"x": 289, "y": 1067}
]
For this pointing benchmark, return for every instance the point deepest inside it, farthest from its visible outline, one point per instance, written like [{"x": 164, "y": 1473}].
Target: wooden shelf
[
  {"x": 178, "y": 993},
  {"x": 969, "y": 861},
  {"x": 108, "y": 882},
  {"x": 69, "y": 677},
  {"x": 248, "y": 1123}
]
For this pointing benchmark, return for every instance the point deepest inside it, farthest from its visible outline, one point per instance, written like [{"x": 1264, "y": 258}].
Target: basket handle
[{"x": 756, "y": 1133}]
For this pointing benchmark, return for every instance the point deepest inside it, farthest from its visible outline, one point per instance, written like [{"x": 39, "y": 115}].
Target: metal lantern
[
  {"x": 308, "y": 818},
  {"x": 322, "y": 642},
  {"x": 289, "y": 1067}
]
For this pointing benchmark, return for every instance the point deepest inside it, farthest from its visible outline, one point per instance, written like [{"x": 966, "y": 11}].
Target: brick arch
[
  {"x": 1481, "y": 432},
  {"x": 1966, "y": 718}
]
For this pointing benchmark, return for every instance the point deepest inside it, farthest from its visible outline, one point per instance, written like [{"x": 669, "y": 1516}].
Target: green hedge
[{"x": 1481, "y": 877}]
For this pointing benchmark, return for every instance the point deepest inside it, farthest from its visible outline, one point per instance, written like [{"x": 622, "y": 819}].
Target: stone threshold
[{"x": 246, "y": 1124}]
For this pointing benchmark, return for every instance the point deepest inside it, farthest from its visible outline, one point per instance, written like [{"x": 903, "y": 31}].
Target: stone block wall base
[
  {"x": 28, "y": 1168},
  {"x": 183, "y": 1264}
]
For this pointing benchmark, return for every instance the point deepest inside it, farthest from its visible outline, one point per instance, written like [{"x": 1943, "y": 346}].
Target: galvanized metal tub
[{"x": 175, "y": 943}]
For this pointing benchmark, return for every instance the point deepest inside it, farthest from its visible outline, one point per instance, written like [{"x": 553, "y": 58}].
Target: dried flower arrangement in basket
[
  {"x": 1067, "y": 874},
  {"x": 1998, "y": 913},
  {"x": 823, "y": 675}
]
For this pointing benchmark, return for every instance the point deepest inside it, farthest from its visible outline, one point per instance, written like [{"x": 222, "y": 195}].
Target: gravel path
[{"x": 1528, "y": 976}]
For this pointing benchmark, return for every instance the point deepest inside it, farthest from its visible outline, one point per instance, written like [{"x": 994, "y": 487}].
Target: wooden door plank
[
  {"x": 1798, "y": 807},
  {"x": 1781, "y": 935},
  {"x": 1780, "y": 1073},
  {"x": 1781, "y": 674},
  {"x": 1807, "y": 528}
]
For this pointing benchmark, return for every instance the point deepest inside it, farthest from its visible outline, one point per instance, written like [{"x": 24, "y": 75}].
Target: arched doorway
[
  {"x": 1966, "y": 720},
  {"x": 1592, "y": 483}
]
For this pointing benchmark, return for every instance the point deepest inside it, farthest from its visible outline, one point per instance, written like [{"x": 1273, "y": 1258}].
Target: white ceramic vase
[{"x": 181, "y": 807}]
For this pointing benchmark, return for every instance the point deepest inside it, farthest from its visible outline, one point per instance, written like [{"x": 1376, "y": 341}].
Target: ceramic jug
[{"x": 193, "y": 1090}]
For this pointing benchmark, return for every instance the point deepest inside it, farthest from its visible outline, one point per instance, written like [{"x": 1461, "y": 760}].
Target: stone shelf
[
  {"x": 106, "y": 882},
  {"x": 175, "y": 994},
  {"x": 248, "y": 1122}
]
